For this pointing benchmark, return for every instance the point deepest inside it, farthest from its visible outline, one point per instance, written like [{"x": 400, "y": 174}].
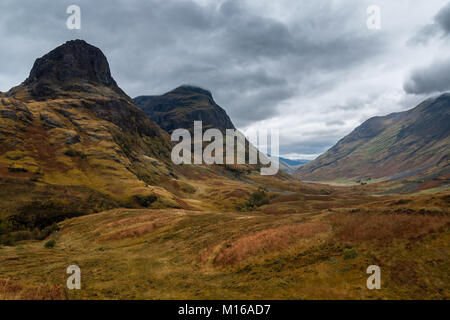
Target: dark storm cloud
[
  {"x": 434, "y": 77},
  {"x": 430, "y": 79},
  {"x": 443, "y": 18},
  {"x": 425, "y": 34},
  {"x": 253, "y": 35},
  {"x": 320, "y": 144},
  {"x": 439, "y": 27},
  {"x": 251, "y": 62},
  {"x": 306, "y": 67}
]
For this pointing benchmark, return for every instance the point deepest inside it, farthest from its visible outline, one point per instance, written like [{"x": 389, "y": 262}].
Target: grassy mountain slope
[
  {"x": 394, "y": 146},
  {"x": 72, "y": 142}
]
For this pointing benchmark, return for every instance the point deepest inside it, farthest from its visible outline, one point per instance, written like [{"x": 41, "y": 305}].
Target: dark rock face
[
  {"x": 79, "y": 70},
  {"x": 50, "y": 122},
  {"x": 189, "y": 90},
  {"x": 8, "y": 114},
  {"x": 75, "y": 66},
  {"x": 74, "y": 60},
  {"x": 182, "y": 106}
]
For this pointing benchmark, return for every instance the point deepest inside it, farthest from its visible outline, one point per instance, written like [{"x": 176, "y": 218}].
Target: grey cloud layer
[
  {"x": 439, "y": 27},
  {"x": 254, "y": 60},
  {"x": 443, "y": 19},
  {"x": 430, "y": 79},
  {"x": 434, "y": 77},
  {"x": 249, "y": 61}
]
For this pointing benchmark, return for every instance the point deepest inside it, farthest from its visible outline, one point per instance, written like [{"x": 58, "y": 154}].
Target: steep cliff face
[
  {"x": 396, "y": 145},
  {"x": 78, "y": 70},
  {"x": 182, "y": 106},
  {"x": 74, "y": 60}
]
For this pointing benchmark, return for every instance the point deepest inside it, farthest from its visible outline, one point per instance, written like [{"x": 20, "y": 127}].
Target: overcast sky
[{"x": 310, "y": 68}]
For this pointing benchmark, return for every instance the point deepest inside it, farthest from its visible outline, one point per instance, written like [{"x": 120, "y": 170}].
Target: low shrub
[
  {"x": 257, "y": 199},
  {"x": 350, "y": 254},
  {"x": 50, "y": 244},
  {"x": 74, "y": 153},
  {"x": 145, "y": 200}
]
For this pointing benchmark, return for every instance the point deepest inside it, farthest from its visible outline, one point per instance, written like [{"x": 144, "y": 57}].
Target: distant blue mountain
[{"x": 294, "y": 162}]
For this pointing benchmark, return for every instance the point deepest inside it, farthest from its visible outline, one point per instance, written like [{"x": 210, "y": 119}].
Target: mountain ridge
[
  {"x": 73, "y": 143},
  {"x": 385, "y": 146},
  {"x": 180, "y": 107},
  {"x": 78, "y": 141}
]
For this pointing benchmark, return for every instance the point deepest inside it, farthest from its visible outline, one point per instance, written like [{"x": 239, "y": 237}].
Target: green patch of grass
[
  {"x": 349, "y": 254},
  {"x": 257, "y": 199}
]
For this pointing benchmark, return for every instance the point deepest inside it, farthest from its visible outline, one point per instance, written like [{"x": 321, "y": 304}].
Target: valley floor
[{"x": 300, "y": 246}]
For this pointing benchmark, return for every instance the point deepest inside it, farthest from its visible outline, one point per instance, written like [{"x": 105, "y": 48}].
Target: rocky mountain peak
[
  {"x": 74, "y": 61},
  {"x": 182, "y": 106},
  {"x": 189, "y": 89}
]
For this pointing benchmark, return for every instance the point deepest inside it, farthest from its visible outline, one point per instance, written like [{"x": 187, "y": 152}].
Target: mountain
[
  {"x": 73, "y": 66},
  {"x": 294, "y": 162},
  {"x": 289, "y": 165},
  {"x": 182, "y": 106},
  {"x": 72, "y": 142},
  {"x": 394, "y": 146}
]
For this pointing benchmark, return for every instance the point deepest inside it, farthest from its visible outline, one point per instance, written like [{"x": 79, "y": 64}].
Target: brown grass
[
  {"x": 132, "y": 232},
  {"x": 429, "y": 185},
  {"x": 266, "y": 241},
  {"x": 13, "y": 290},
  {"x": 385, "y": 227},
  {"x": 130, "y": 221},
  {"x": 277, "y": 210}
]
